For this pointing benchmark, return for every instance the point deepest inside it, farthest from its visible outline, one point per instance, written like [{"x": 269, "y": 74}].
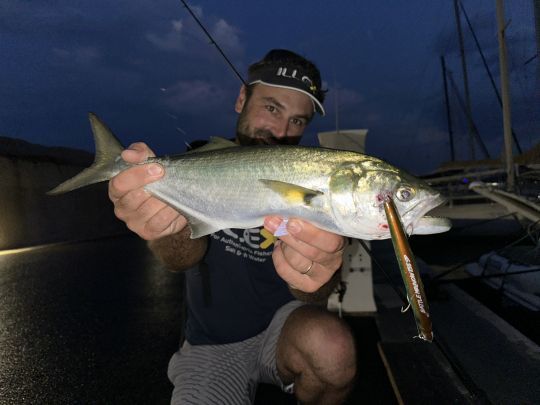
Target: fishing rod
[{"x": 213, "y": 42}]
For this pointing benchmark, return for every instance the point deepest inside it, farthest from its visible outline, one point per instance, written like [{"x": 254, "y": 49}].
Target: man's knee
[
  {"x": 324, "y": 343},
  {"x": 336, "y": 353}
]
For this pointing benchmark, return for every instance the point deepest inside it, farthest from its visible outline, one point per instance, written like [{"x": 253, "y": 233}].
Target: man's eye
[
  {"x": 271, "y": 108},
  {"x": 298, "y": 121}
]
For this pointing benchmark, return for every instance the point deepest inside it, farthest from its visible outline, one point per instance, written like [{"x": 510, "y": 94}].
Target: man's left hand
[{"x": 307, "y": 257}]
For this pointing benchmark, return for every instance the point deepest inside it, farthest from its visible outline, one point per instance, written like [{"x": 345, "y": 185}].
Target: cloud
[
  {"x": 195, "y": 97},
  {"x": 227, "y": 35},
  {"x": 85, "y": 56},
  {"x": 173, "y": 40},
  {"x": 181, "y": 34}
]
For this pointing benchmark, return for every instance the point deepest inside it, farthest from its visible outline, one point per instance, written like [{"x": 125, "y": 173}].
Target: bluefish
[{"x": 223, "y": 185}]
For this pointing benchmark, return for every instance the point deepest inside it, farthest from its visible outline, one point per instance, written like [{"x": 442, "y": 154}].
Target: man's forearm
[
  {"x": 321, "y": 295},
  {"x": 179, "y": 252}
]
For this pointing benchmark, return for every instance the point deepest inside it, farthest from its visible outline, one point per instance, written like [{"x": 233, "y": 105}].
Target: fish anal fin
[
  {"x": 292, "y": 193},
  {"x": 197, "y": 222},
  {"x": 200, "y": 228}
]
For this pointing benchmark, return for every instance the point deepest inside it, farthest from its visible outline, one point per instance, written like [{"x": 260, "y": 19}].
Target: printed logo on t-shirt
[{"x": 253, "y": 244}]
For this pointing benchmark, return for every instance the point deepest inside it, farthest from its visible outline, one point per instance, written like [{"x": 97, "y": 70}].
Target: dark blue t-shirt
[{"x": 243, "y": 290}]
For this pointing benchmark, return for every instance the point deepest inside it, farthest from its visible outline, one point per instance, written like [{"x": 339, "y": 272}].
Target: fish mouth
[{"x": 425, "y": 224}]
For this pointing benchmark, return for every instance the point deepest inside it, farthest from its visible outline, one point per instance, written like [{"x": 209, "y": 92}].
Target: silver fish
[{"x": 222, "y": 185}]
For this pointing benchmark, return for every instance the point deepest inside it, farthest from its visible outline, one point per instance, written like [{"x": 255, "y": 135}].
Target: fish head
[
  {"x": 370, "y": 182},
  {"x": 414, "y": 199}
]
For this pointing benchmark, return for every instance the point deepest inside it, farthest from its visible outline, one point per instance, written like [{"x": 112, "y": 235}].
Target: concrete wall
[{"x": 29, "y": 217}]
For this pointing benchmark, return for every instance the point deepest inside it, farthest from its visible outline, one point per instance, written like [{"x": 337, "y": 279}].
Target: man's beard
[{"x": 247, "y": 136}]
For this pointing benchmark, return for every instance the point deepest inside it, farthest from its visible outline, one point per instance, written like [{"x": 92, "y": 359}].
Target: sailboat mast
[
  {"x": 505, "y": 90},
  {"x": 537, "y": 30},
  {"x": 465, "y": 80},
  {"x": 337, "y": 108},
  {"x": 536, "y": 4}
]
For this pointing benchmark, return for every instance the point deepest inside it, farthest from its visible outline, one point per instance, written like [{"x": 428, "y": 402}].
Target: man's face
[{"x": 272, "y": 115}]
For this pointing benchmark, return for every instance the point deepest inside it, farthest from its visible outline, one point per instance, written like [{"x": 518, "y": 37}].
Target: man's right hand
[{"x": 145, "y": 215}]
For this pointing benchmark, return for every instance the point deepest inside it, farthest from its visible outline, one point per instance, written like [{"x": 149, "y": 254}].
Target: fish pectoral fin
[{"x": 292, "y": 193}]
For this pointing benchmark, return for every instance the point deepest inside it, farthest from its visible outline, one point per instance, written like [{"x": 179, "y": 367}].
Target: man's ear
[{"x": 241, "y": 100}]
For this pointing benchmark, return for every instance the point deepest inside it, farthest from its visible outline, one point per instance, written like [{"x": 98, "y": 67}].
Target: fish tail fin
[{"x": 108, "y": 148}]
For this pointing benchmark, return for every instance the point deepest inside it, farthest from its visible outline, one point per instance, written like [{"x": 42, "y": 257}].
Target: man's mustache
[{"x": 267, "y": 137}]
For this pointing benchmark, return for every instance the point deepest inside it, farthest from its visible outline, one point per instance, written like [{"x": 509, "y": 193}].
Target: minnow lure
[{"x": 409, "y": 272}]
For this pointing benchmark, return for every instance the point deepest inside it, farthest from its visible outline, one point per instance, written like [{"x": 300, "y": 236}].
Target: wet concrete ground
[
  {"x": 87, "y": 323},
  {"x": 96, "y": 322}
]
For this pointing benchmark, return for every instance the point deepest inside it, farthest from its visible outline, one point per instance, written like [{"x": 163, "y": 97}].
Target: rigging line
[
  {"x": 448, "y": 112},
  {"x": 402, "y": 297},
  {"x": 531, "y": 59},
  {"x": 488, "y": 70},
  {"x": 492, "y": 275},
  {"x": 214, "y": 42},
  {"x": 470, "y": 119},
  {"x": 483, "y": 222}
]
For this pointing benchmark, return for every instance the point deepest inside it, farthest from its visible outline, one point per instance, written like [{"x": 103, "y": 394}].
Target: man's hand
[
  {"x": 307, "y": 257},
  {"x": 145, "y": 215}
]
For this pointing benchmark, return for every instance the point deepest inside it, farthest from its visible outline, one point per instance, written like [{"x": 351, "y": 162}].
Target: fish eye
[{"x": 405, "y": 193}]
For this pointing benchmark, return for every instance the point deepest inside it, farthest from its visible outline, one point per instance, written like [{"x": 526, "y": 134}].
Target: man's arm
[
  {"x": 321, "y": 295},
  {"x": 179, "y": 252}
]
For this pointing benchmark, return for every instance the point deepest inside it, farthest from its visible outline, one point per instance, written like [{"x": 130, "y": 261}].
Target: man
[{"x": 248, "y": 320}]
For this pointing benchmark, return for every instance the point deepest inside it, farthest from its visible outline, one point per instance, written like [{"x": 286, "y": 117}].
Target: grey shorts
[{"x": 229, "y": 373}]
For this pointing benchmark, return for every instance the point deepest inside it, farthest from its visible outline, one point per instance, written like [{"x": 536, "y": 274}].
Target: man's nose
[{"x": 280, "y": 128}]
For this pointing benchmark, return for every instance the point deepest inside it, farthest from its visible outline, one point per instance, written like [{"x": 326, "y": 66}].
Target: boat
[{"x": 513, "y": 271}]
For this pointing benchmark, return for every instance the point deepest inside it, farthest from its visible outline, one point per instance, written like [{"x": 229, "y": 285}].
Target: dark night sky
[{"x": 148, "y": 71}]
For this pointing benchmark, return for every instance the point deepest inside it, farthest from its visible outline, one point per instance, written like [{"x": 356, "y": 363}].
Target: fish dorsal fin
[
  {"x": 215, "y": 143},
  {"x": 293, "y": 194},
  {"x": 218, "y": 141}
]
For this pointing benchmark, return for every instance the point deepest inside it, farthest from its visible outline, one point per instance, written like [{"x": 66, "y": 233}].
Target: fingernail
[
  {"x": 294, "y": 227},
  {"x": 129, "y": 153},
  {"x": 272, "y": 224},
  {"x": 154, "y": 170}
]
